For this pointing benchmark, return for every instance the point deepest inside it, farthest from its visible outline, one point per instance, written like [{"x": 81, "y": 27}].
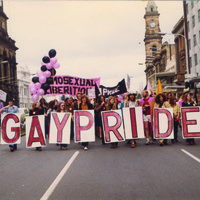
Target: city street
[{"x": 146, "y": 172}]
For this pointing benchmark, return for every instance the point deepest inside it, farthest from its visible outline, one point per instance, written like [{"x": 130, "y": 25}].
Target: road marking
[
  {"x": 192, "y": 156},
  {"x": 59, "y": 177}
]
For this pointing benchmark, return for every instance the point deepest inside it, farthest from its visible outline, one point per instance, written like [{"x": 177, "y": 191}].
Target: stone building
[
  {"x": 8, "y": 65},
  {"x": 181, "y": 69},
  {"x": 152, "y": 40}
]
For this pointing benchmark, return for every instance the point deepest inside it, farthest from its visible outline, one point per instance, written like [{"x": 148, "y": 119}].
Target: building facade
[
  {"x": 8, "y": 64},
  {"x": 192, "y": 27},
  {"x": 23, "y": 79}
]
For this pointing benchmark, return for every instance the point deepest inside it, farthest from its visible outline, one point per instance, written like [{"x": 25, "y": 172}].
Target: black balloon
[
  {"x": 53, "y": 72},
  {"x": 45, "y": 86},
  {"x": 52, "y": 53},
  {"x": 43, "y": 68},
  {"x": 46, "y": 59},
  {"x": 35, "y": 79},
  {"x": 49, "y": 80}
]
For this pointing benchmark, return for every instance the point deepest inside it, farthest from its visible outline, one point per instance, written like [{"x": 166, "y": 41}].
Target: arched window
[
  {"x": 151, "y": 8},
  {"x": 154, "y": 50}
]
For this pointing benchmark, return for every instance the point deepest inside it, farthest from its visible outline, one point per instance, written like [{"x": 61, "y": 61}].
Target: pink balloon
[
  {"x": 40, "y": 92},
  {"x": 47, "y": 74},
  {"x": 56, "y": 65},
  {"x": 35, "y": 97},
  {"x": 53, "y": 60},
  {"x": 49, "y": 65},
  {"x": 31, "y": 85},
  {"x": 42, "y": 79},
  {"x": 33, "y": 90},
  {"x": 37, "y": 85}
]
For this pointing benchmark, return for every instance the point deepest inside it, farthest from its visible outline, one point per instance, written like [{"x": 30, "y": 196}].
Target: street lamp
[{"x": 187, "y": 64}]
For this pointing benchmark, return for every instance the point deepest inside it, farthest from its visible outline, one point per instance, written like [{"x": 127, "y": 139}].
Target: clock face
[{"x": 152, "y": 24}]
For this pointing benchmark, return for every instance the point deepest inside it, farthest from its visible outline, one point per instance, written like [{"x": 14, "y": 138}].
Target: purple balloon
[
  {"x": 40, "y": 92},
  {"x": 35, "y": 97},
  {"x": 33, "y": 90},
  {"x": 42, "y": 79},
  {"x": 38, "y": 85},
  {"x": 56, "y": 65},
  {"x": 53, "y": 60},
  {"x": 47, "y": 74},
  {"x": 49, "y": 65}
]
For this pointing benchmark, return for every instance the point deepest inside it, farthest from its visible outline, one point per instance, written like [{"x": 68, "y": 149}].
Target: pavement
[{"x": 101, "y": 173}]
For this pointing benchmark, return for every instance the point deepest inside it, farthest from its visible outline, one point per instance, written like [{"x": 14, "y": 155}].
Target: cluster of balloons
[{"x": 41, "y": 83}]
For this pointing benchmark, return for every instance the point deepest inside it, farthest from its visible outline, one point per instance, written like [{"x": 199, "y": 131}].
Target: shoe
[
  {"x": 60, "y": 147},
  {"x": 39, "y": 148},
  {"x": 151, "y": 141},
  {"x": 147, "y": 142},
  {"x": 64, "y": 148},
  {"x": 133, "y": 145},
  {"x": 112, "y": 146},
  {"x": 11, "y": 149},
  {"x": 85, "y": 148},
  {"x": 161, "y": 144}
]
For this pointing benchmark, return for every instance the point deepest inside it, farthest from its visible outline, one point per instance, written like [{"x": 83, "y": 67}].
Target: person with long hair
[
  {"x": 161, "y": 102},
  {"x": 176, "y": 115},
  {"x": 112, "y": 106},
  {"x": 36, "y": 110},
  {"x": 99, "y": 107},
  {"x": 76, "y": 103},
  {"x": 131, "y": 103},
  {"x": 61, "y": 109},
  {"x": 43, "y": 105},
  {"x": 85, "y": 105},
  {"x": 188, "y": 102}
]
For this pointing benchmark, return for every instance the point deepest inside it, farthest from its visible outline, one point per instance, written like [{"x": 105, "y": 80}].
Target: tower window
[
  {"x": 154, "y": 50},
  {"x": 151, "y": 8}
]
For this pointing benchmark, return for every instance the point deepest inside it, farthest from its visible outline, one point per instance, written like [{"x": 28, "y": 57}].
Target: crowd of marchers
[{"x": 82, "y": 102}]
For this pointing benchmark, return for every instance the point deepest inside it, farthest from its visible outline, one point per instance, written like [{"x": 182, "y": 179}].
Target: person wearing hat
[
  {"x": 131, "y": 102},
  {"x": 10, "y": 109}
]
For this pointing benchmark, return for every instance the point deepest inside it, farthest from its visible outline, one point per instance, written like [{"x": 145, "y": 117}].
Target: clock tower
[{"x": 153, "y": 41}]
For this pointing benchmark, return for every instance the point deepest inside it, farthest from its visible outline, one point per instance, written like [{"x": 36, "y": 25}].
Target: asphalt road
[{"x": 145, "y": 172}]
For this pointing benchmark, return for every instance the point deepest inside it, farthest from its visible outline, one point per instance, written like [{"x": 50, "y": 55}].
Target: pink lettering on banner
[
  {"x": 157, "y": 123},
  {"x": 13, "y": 129},
  {"x": 133, "y": 123},
  {"x": 114, "y": 128},
  {"x": 78, "y": 127},
  {"x": 186, "y": 123},
  {"x": 35, "y": 124},
  {"x": 59, "y": 125}
]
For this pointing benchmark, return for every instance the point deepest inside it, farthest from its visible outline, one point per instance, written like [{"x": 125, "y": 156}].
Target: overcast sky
[{"x": 92, "y": 38}]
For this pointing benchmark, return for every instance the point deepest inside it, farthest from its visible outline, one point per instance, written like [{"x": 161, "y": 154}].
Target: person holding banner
[
  {"x": 161, "y": 102},
  {"x": 36, "y": 110},
  {"x": 176, "y": 115},
  {"x": 85, "y": 105},
  {"x": 76, "y": 104},
  {"x": 69, "y": 107},
  {"x": 61, "y": 108},
  {"x": 1, "y": 106},
  {"x": 147, "y": 107},
  {"x": 10, "y": 109},
  {"x": 131, "y": 103},
  {"x": 188, "y": 102},
  {"x": 112, "y": 106},
  {"x": 43, "y": 105},
  {"x": 100, "y": 106}
]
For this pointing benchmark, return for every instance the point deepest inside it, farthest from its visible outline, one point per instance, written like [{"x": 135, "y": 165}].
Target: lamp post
[{"x": 186, "y": 52}]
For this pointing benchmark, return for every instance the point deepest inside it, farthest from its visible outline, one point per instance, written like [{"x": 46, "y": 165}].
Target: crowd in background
[{"x": 82, "y": 102}]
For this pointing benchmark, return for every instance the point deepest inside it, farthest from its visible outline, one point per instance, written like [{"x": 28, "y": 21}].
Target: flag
[
  {"x": 159, "y": 87},
  {"x": 149, "y": 88}
]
